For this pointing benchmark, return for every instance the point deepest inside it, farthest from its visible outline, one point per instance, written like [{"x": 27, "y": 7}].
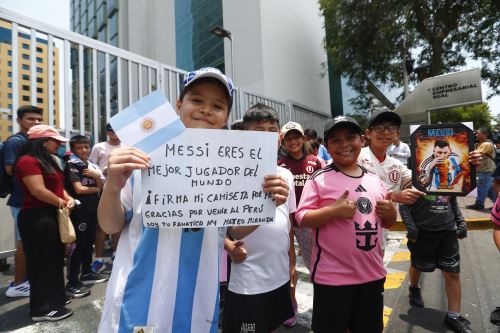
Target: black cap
[
  {"x": 341, "y": 121},
  {"x": 109, "y": 128},
  {"x": 384, "y": 115}
]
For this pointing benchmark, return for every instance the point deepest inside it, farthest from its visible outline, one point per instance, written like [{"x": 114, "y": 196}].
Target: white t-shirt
[
  {"x": 100, "y": 153},
  {"x": 400, "y": 152},
  {"x": 393, "y": 173},
  {"x": 266, "y": 267}
]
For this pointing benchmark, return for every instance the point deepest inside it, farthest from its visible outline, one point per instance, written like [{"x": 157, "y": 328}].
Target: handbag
[{"x": 66, "y": 229}]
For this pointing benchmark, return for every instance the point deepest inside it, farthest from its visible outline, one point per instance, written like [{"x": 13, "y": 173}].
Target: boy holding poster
[
  {"x": 258, "y": 299},
  {"x": 166, "y": 280},
  {"x": 347, "y": 207}
]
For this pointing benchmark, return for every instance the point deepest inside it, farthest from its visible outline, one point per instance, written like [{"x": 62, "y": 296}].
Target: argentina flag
[{"x": 148, "y": 123}]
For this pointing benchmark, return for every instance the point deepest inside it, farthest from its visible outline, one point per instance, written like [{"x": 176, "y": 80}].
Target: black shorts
[
  {"x": 257, "y": 313},
  {"x": 435, "y": 249},
  {"x": 358, "y": 308}
]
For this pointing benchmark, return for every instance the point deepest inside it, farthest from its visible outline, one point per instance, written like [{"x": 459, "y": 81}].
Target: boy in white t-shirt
[{"x": 258, "y": 299}]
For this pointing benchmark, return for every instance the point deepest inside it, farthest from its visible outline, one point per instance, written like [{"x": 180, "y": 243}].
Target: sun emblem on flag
[{"x": 148, "y": 124}]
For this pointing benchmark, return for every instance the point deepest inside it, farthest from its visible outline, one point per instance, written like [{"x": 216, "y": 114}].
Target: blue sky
[{"x": 56, "y": 13}]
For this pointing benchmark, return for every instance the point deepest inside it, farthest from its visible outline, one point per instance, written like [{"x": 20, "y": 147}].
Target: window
[
  {"x": 39, "y": 90},
  {"x": 26, "y": 67},
  {"x": 26, "y": 56},
  {"x": 9, "y": 74},
  {"x": 26, "y": 98},
  {"x": 39, "y": 80},
  {"x": 9, "y": 84},
  {"x": 26, "y": 87},
  {"x": 9, "y": 52},
  {"x": 26, "y": 46},
  {"x": 39, "y": 70},
  {"x": 38, "y": 59},
  {"x": 9, "y": 63},
  {"x": 10, "y": 106},
  {"x": 10, "y": 95},
  {"x": 39, "y": 50},
  {"x": 26, "y": 77},
  {"x": 39, "y": 100}
]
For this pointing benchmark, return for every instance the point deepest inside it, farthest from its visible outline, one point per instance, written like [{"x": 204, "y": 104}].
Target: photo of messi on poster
[{"x": 440, "y": 159}]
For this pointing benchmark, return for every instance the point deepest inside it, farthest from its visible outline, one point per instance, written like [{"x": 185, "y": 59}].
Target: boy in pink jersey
[{"x": 347, "y": 207}]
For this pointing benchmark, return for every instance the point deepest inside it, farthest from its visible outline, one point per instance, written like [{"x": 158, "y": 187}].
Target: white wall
[
  {"x": 278, "y": 49},
  {"x": 151, "y": 29}
]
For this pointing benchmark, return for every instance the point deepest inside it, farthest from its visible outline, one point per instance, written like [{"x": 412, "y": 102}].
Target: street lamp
[{"x": 223, "y": 33}]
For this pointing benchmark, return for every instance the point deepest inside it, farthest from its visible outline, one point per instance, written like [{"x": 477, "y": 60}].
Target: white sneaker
[{"x": 21, "y": 290}]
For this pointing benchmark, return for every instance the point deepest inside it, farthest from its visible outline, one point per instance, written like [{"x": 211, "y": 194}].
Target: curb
[{"x": 479, "y": 223}]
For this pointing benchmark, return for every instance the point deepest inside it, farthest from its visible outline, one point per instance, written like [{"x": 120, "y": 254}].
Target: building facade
[
  {"x": 277, "y": 44},
  {"x": 24, "y": 77}
]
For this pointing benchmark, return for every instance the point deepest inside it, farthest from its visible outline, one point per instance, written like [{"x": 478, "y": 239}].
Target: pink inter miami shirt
[{"x": 345, "y": 251}]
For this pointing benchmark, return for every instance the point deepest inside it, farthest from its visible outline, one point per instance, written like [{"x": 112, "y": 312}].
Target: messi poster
[{"x": 439, "y": 159}]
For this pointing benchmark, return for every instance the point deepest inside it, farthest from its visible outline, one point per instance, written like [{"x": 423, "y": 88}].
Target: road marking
[
  {"x": 394, "y": 280},
  {"x": 401, "y": 256},
  {"x": 387, "y": 315}
]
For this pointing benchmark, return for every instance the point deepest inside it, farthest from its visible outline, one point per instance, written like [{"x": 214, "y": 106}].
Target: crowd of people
[{"x": 334, "y": 196}]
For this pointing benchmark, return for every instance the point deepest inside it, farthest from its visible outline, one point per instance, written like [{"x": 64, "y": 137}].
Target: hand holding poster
[
  {"x": 210, "y": 178},
  {"x": 440, "y": 159}
]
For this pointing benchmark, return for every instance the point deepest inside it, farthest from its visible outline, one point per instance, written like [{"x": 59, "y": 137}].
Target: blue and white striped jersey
[{"x": 167, "y": 279}]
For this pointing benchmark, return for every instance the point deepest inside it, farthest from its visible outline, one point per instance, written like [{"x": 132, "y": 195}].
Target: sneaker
[
  {"x": 290, "y": 322},
  {"x": 93, "y": 277},
  {"x": 458, "y": 325},
  {"x": 97, "y": 265},
  {"x": 68, "y": 300},
  {"x": 21, "y": 290},
  {"x": 53, "y": 315},
  {"x": 77, "y": 290},
  {"x": 415, "y": 297},
  {"x": 475, "y": 207}
]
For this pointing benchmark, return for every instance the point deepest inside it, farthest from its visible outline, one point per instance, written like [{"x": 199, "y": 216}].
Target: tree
[
  {"x": 479, "y": 114},
  {"x": 364, "y": 40}
]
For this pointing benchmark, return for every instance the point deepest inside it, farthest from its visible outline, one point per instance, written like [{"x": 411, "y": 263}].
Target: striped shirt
[{"x": 162, "y": 278}]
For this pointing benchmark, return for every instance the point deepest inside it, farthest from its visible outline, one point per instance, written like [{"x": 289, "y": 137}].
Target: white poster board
[{"x": 210, "y": 178}]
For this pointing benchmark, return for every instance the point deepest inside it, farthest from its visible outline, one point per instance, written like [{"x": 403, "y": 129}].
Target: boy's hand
[
  {"x": 121, "y": 163},
  {"x": 407, "y": 196},
  {"x": 385, "y": 209},
  {"x": 91, "y": 173},
  {"x": 475, "y": 157},
  {"x": 343, "y": 207},
  {"x": 277, "y": 186},
  {"x": 237, "y": 253}
]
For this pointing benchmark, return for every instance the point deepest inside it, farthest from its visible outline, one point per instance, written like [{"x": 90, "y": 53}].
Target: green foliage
[
  {"x": 364, "y": 40},
  {"x": 479, "y": 114}
]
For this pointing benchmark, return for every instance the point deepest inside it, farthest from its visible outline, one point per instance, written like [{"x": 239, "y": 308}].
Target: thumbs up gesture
[
  {"x": 386, "y": 210},
  {"x": 344, "y": 208}
]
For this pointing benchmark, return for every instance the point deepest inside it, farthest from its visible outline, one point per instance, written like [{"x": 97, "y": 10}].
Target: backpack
[{"x": 5, "y": 179}]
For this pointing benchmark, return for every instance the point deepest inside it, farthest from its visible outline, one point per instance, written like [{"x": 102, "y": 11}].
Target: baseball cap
[
  {"x": 344, "y": 121},
  {"x": 290, "y": 126},
  {"x": 209, "y": 72},
  {"x": 45, "y": 131},
  {"x": 109, "y": 128},
  {"x": 384, "y": 115}
]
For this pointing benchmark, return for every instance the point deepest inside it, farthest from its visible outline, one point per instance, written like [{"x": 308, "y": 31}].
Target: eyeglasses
[{"x": 382, "y": 128}]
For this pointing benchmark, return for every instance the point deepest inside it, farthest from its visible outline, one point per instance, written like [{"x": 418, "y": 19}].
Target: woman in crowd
[{"x": 39, "y": 172}]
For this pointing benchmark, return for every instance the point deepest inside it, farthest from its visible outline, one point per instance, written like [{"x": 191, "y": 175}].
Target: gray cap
[
  {"x": 384, "y": 115},
  {"x": 341, "y": 121}
]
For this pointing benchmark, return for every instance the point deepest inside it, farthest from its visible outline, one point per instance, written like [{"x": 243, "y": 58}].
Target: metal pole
[
  {"x": 232, "y": 60},
  {"x": 405, "y": 72}
]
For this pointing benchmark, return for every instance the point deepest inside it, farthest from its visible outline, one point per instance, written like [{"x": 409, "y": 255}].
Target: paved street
[{"x": 480, "y": 285}]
